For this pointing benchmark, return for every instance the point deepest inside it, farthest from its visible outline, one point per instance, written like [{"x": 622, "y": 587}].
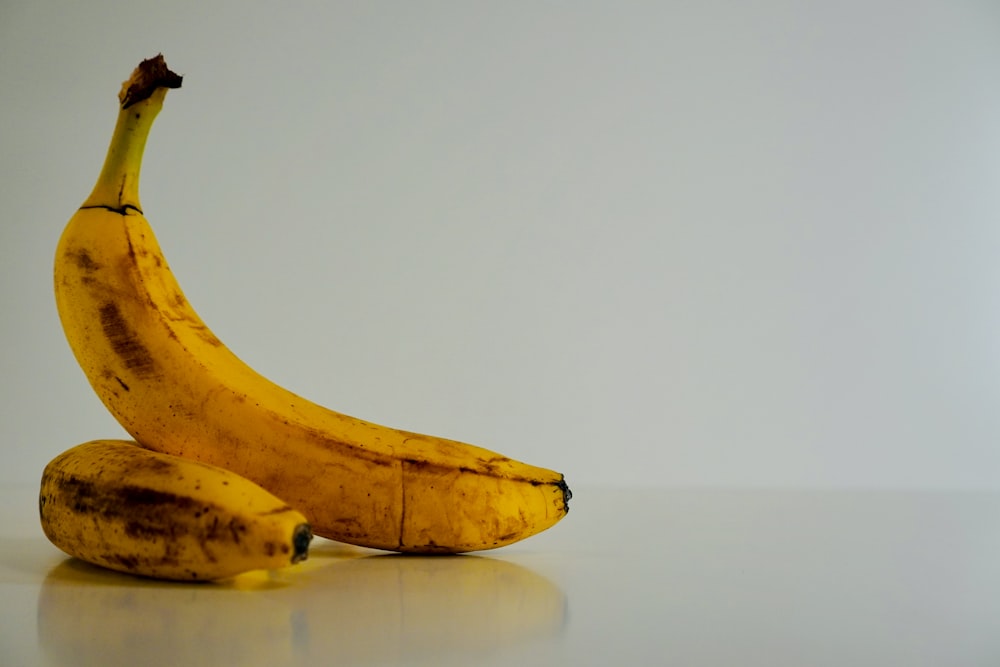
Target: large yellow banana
[
  {"x": 177, "y": 389},
  {"x": 116, "y": 504}
]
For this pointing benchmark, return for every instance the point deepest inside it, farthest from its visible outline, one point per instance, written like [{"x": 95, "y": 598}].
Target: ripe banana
[
  {"x": 115, "y": 504},
  {"x": 177, "y": 389}
]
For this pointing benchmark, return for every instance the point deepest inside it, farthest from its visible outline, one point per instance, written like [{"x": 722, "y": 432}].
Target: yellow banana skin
[
  {"x": 177, "y": 389},
  {"x": 113, "y": 503}
]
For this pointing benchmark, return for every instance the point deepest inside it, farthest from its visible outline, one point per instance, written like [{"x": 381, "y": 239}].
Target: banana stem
[{"x": 141, "y": 99}]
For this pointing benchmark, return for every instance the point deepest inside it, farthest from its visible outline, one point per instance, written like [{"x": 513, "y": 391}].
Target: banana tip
[
  {"x": 300, "y": 542},
  {"x": 567, "y": 494}
]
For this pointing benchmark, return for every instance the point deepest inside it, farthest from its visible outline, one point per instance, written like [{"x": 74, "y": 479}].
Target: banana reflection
[
  {"x": 354, "y": 610},
  {"x": 396, "y": 608},
  {"x": 91, "y": 616}
]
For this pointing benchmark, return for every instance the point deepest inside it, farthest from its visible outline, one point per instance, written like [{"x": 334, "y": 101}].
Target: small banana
[
  {"x": 113, "y": 503},
  {"x": 176, "y": 388}
]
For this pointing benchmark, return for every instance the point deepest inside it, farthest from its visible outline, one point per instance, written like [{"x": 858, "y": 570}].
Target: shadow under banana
[{"x": 343, "y": 605}]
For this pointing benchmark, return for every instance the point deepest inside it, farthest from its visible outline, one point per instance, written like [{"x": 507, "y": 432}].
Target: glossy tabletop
[{"x": 630, "y": 577}]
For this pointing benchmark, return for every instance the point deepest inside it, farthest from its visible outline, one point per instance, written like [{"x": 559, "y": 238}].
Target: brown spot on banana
[
  {"x": 124, "y": 341},
  {"x": 84, "y": 261}
]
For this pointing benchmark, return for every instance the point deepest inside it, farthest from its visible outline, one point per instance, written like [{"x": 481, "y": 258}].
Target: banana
[
  {"x": 176, "y": 388},
  {"x": 115, "y": 504}
]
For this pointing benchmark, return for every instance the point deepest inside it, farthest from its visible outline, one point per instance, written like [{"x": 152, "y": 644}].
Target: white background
[{"x": 704, "y": 243}]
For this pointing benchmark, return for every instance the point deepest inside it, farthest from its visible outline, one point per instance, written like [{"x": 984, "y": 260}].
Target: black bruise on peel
[
  {"x": 88, "y": 497},
  {"x": 124, "y": 342}
]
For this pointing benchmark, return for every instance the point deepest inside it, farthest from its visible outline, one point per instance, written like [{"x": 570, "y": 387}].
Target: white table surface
[{"x": 630, "y": 577}]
